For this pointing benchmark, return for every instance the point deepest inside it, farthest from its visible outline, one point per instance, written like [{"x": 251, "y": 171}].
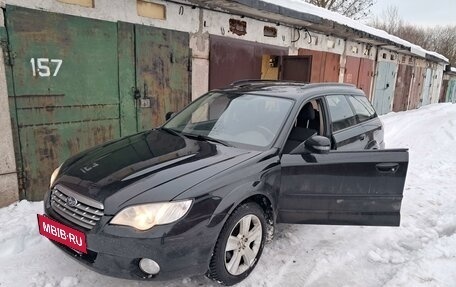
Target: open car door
[{"x": 347, "y": 188}]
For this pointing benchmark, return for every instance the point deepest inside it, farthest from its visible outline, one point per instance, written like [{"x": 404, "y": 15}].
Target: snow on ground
[{"x": 422, "y": 252}]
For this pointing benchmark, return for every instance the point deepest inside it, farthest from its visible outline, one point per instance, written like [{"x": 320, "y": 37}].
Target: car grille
[{"x": 76, "y": 208}]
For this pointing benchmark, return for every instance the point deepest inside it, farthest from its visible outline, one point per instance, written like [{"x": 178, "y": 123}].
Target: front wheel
[{"x": 239, "y": 245}]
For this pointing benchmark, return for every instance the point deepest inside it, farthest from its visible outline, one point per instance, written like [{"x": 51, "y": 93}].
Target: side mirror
[
  {"x": 318, "y": 144},
  {"x": 169, "y": 115}
]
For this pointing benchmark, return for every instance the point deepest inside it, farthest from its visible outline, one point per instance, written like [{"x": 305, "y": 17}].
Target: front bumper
[{"x": 116, "y": 250}]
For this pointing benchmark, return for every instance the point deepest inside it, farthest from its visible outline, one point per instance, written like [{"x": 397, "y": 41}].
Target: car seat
[{"x": 301, "y": 131}]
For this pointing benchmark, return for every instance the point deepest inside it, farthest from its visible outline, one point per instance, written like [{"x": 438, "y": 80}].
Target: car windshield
[{"x": 241, "y": 120}]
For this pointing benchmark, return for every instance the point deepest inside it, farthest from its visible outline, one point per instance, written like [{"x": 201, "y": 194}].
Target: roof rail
[
  {"x": 259, "y": 81},
  {"x": 334, "y": 84}
]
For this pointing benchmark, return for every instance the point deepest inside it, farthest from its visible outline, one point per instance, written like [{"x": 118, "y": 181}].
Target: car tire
[{"x": 239, "y": 245}]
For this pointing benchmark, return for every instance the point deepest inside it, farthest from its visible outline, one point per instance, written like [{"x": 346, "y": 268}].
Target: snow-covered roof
[{"x": 301, "y": 6}]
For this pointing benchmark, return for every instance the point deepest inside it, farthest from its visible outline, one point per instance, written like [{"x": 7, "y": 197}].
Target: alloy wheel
[{"x": 243, "y": 244}]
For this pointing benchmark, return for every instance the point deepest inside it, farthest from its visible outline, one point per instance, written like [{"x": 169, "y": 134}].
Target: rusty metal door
[
  {"x": 296, "y": 68},
  {"x": 163, "y": 74},
  {"x": 401, "y": 94},
  {"x": 325, "y": 65},
  {"x": 65, "y": 90},
  {"x": 366, "y": 72},
  {"x": 352, "y": 66},
  {"x": 79, "y": 82},
  {"x": 426, "y": 94},
  {"x": 231, "y": 60},
  {"x": 417, "y": 88},
  {"x": 332, "y": 67},
  {"x": 318, "y": 64},
  {"x": 359, "y": 72},
  {"x": 437, "y": 80},
  {"x": 443, "y": 92}
]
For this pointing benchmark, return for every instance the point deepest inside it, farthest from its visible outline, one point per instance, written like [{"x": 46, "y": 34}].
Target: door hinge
[
  {"x": 189, "y": 64},
  {"x": 22, "y": 182},
  {"x": 7, "y": 53}
]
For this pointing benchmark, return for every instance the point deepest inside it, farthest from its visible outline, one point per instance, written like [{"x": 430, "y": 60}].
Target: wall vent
[
  {"x": 151, "y": 10},
  {"x": 238, "y": 27},
  {"x": 270, "y": 31}
]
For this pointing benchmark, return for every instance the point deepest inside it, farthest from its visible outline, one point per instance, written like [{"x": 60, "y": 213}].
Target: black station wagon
[{"x": 202, "y": 193}]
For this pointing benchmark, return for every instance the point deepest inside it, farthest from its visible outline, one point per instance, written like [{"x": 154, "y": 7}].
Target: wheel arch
[{"x": 265, "y": 202}]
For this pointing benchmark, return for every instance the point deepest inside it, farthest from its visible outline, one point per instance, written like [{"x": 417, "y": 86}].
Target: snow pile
[
  {"x": 421, "y": 252},
  {"x": 17, "y": 234},
  {"x": 302, "y": 6}
]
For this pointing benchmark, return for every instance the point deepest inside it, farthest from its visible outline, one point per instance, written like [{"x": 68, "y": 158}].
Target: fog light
[{"x": 149, "y": 266}]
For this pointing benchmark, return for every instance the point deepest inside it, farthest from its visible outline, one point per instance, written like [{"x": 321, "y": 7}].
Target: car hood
[{"x": 161, "y": 163}]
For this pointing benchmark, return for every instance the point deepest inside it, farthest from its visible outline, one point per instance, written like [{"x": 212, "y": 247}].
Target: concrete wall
[{"x": 8, "y": 178}]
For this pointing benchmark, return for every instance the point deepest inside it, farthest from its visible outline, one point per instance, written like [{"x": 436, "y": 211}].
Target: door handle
[{"x": 387, "y": 167}]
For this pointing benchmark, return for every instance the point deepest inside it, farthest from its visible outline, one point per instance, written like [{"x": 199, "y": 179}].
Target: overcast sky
[{"x": 421, "y": 12}]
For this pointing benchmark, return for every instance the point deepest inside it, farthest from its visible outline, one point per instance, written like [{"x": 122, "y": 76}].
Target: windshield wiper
[{"x": 207, "y": 138}]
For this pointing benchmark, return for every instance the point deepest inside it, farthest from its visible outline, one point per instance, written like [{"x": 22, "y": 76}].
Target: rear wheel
[{"x": 239, "y": 245}]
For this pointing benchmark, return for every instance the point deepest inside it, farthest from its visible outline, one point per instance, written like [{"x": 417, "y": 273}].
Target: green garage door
[
  {"x": 160, "y": 60},
  {"x": 65, "y": 92}
]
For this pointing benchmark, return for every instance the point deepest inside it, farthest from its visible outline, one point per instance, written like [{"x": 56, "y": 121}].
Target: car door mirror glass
[{"x": 318, "y": 144}]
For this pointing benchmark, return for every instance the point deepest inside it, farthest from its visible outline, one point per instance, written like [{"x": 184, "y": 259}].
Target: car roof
[{"x": 290, "y": 89}]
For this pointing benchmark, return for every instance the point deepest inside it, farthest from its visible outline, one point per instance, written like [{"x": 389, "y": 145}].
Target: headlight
[
  {"x": 54, "y": 175},
  {"x": 145, "y": 216}
]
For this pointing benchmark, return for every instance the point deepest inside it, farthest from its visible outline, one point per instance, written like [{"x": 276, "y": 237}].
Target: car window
[
  {"x": 341, "y": 113},
  {"x": 242, "y": 120},
  {"x": 363, "y": 109}
]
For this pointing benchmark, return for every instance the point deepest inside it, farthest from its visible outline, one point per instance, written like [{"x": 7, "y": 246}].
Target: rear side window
[
  {"x": 363, "y": 109},
  {"x": 342, "y": 115}
]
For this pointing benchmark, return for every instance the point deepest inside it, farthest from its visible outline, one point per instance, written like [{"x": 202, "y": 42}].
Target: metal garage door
[
  {"x": 385, "y": 83},
  {"x": 155, "y": 70},
  {"x": 403, "y": 82},
  {"x": 65, "y": 89},
  {"x": 325, "y": 65},
  {"x": 296, "y": 68},
  {"x": 451, "y": 91},
  {"x": 359, "y": 72},
  {"x": 417, "y": 88},
  {"x": 366, "y": 72},
  {"x": 426, "y": 94},
  {"x": 232, "y": 60},
  {"x": 352, "y": 66},
  {"x": 66, "y": 94}
]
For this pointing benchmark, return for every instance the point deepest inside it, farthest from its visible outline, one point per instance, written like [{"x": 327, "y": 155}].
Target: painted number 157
[{"x": 42, "y": 66}]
